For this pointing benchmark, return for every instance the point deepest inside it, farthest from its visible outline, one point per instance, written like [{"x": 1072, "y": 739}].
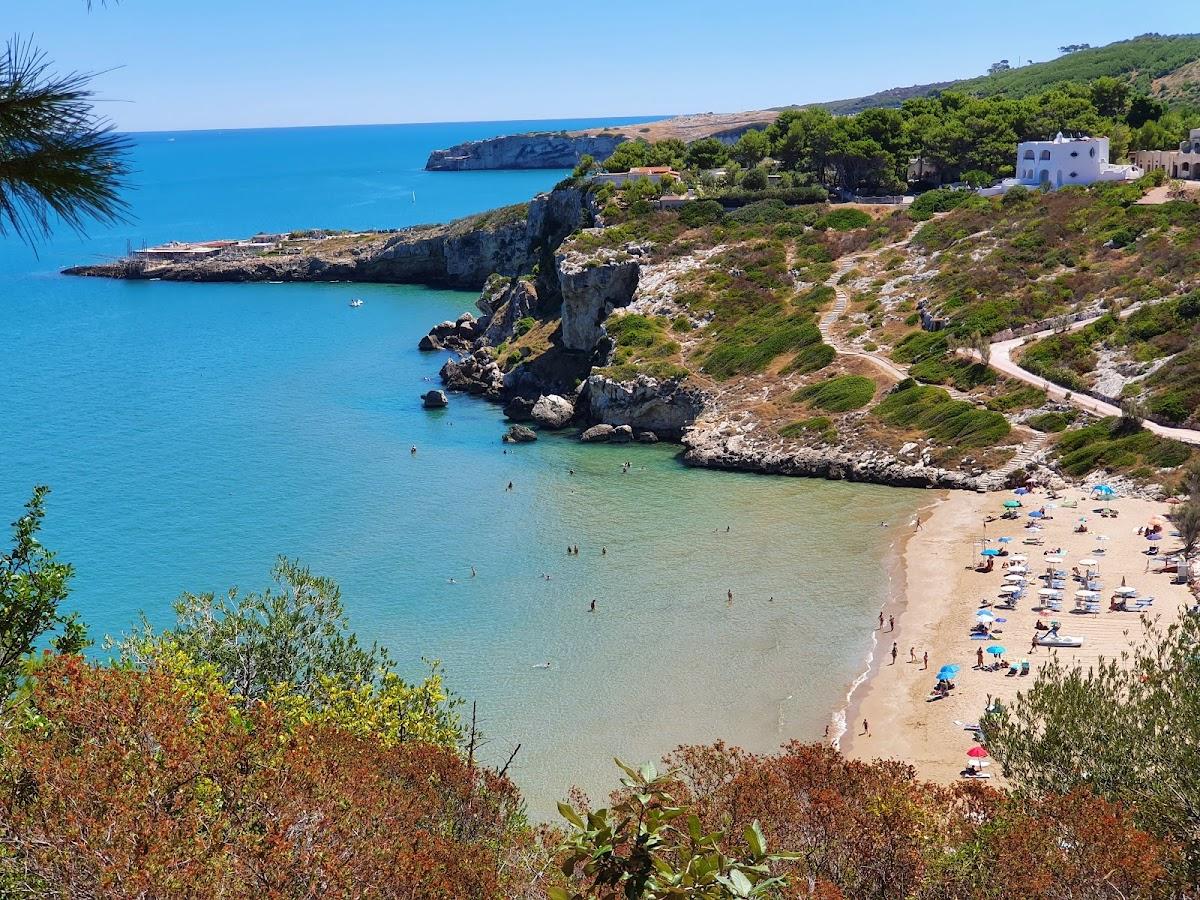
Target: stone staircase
[{"x": 996, "y": 480}]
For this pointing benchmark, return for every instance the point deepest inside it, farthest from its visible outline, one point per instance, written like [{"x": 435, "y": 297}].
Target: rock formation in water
[{"x": 537, "y": 150}]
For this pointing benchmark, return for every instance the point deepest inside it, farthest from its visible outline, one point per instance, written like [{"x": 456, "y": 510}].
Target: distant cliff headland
[{"x": 564, "y": 149}]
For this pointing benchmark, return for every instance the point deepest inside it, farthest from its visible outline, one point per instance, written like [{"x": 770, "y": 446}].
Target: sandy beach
[{"x": 942, "y": 592}]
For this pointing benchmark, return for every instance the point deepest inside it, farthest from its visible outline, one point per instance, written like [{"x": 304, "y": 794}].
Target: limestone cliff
[
  {"x": 539, "y": 150},
  {"x": 666, "y": 407},
  {"x": 592, "y": 286},
  {"x": 461, "y": 254}
]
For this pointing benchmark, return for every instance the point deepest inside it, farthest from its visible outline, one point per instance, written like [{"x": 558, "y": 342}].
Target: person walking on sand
[
  {"x": 918, "y": 523},
  {"x": 894, "y": 652},
  {"x": 926, "y": 660},
  {"x": 881, "y": 620},
  {"x": 1033, "y": 644},
  {"x": 891, "y": 623},
  {"x": 866, "y": 728},
  {"x": 912, "y": 654}
]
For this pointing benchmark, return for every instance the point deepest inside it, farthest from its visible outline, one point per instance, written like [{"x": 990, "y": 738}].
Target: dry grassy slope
[{"x": 689, "y": 128}]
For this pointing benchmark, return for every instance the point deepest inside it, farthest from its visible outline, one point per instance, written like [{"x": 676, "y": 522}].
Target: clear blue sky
[{"x": 226, "y": 64}]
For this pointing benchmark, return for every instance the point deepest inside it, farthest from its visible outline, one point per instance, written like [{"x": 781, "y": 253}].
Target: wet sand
[{"x": 942, "y": 593}]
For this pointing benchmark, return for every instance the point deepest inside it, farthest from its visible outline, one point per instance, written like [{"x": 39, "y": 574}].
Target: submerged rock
[
  {"x": 553, "y": 411},
  {"x": 434, "y": 400},
  {"x": 519, "y": 434}
]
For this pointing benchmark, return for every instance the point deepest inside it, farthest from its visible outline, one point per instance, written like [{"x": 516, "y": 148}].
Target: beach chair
[
  {"x": 1024, "y": 667},
  {"x": 1092, "y": 607},
  {"x": 1013, "y": 669}
]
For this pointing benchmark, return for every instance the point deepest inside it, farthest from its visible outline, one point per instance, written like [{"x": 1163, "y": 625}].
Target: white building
[{"x": 1064, "y": 161}]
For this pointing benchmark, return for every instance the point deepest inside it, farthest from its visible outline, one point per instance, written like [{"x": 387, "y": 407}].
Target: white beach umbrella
[
  {"x": 1015, "y": 579},
  {"x": 1126, "y": 592},
  {"x": 1051, "y": 593},
  {"x": 1089, "y": 563},
  {"x": 1010, "y": 589},
  {"x": 1087, "y": 595},
  {"x": 1018, "y": 558}
]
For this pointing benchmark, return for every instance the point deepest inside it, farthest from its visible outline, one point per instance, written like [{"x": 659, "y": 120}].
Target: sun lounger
[
  {"x": 1024, "y": 667},
  {"x": 973, "y": 775},
  {"x": 1013, "y": 669},
  {"x": 967, "y": 726}
]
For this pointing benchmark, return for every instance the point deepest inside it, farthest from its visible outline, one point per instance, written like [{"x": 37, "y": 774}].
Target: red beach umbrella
[{"x": 977, "y": 752}]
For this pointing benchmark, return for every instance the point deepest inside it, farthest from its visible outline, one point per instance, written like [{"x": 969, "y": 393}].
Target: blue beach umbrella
[
  {"x": 995, "y": 650},
  {"x": 1021, "y": 491},
  {"x": 1154, "y": 536},
  {"x": 1005, "y": 540},
  {"x": 945, "y": 673},
  {"x": 1036, "y": 514},
  {"x": 989, "y": 551}
]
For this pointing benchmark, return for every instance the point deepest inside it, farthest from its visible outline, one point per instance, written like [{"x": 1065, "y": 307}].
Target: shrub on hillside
[
  {"x": 839, "y": 394},
  {"x": 844, "y": 219},
  {"x": 698, "y": 213}
]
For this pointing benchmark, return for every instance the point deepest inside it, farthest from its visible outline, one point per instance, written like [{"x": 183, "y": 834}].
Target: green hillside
[{"x": 1152, "y": 62}]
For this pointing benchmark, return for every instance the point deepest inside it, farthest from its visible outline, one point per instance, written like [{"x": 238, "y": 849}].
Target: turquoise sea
[{"x": 191, "y": 433}]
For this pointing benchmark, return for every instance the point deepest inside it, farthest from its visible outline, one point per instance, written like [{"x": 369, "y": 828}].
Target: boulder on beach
[
  {"x": 645, "y": 437},
  {"x": 622, "y": 434},
  {"x": 519, "y": 434},
  {"x": 434, "y": 400},
  {"x": 597, "y": 434},
  {"x": 429, "y": 342},
  {"x": 553, "y": 411}
]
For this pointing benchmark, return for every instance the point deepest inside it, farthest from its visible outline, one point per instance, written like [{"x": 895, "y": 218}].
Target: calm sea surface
[{"x": 191, "y": 433}]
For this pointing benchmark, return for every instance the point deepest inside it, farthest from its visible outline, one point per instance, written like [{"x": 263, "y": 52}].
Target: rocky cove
[{"x": 537, "y": 343}]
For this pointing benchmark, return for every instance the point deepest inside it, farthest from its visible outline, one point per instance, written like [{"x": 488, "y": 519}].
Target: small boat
[
  {"x": 355, "y": 303},
  {"x": 1059, "y": 640}
]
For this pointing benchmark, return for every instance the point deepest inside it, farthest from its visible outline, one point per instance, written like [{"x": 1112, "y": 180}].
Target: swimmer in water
[
  {"x": 592, "y": 608},
  {"x": 472, "y": 571},
  {"x": 451, "y": 581},
  {"x": 510, "y": 487},
  {"x": 544, "y": 665},
  {"x": 413, "y": 450}
]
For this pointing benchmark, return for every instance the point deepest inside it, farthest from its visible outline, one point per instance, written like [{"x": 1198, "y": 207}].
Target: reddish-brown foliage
[{"x": 132, "y": 788}]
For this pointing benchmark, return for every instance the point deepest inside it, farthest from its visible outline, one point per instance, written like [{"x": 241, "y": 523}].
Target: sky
[{"x": 174, "y": 65}]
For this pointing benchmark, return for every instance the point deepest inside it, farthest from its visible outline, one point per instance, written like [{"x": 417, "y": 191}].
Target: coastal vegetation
[{"x": 182, "y": 768}]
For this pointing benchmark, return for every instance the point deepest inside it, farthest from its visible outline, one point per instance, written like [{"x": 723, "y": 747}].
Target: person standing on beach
[
  {"x": 881, "y": 620},
  {"x": 912, "y": 654},
  {"x": 891, "y": 623},
  {"x": 979, "y": 657},
  {"x": 894, "y": 651},
  {"x": 926, "y": 666},
  {"x": 918, "y": 523},
  {"x": 866, "y": 728}
]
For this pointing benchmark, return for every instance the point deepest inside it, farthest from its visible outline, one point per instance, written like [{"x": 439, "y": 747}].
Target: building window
[
  {"x": 1029, "y": 154},
  {"x": 1074, "y": 152},
  {"x": 1045, "y": 154},
  {"x": 1092, "y": 152},
  {"x": 1186, "y": 166},
  {"x": 1074, "y": 174}
]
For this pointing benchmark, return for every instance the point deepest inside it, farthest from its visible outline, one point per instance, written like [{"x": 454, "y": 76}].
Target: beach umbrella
[
  {"x": 1087, "y": 595},
  {"x": 984, "y": 614},
  {"x": 1103, "y": 490},
  {"x": 1036, "y": 514},
  {"x": 989, "y": 551},
  {"x": 978, "y": 752},
  {"x": 1089, "y": 563},
  {"x": 1126, "y": 592},
  {"x": 1012, "y": 504},
  {"x": 1154, "y": 536},
  {"x": 1000, "y": 620},
  {"x": 1006, "y": 540},
  {"x": 996, "y": 650},
  {"x": 1051, "y": 593},
  {"x": 1010, "y": 589},
  {"x": 945, "y": 673},
  {"x": 1021, "y": 491},
  {"x": 1018, "y": 558},
  {"x": 1014, "y": 579}
]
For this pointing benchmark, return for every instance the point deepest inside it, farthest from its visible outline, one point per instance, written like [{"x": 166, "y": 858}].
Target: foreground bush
[{"x": 130, "y": 784}]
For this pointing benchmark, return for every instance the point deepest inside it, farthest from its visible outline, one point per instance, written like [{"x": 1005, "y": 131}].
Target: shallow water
[{"x": 193, "y": 432}]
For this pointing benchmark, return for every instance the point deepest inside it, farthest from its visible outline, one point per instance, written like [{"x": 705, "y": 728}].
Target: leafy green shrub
[
  {"x": 1021, "y": 396},
  {"x": 772, "y": 212},
  {"x": 844, "y": 219},
  {"x": 1109, "y": 445},
  {"x": 524, "y": 325},
  {"x": 812, "y": 359},
  {"x": 960, "y": 373},
  {"x": 751, "y": 344},
  {"x": 698, "y": 213},
  {"x": 839, "y": 394},
  {"x": 921, "y": 345},
  {"x": 1051, "y": 422},
  {"x": 941, "y": 200},
  {"x": 950, "y": 422}
]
